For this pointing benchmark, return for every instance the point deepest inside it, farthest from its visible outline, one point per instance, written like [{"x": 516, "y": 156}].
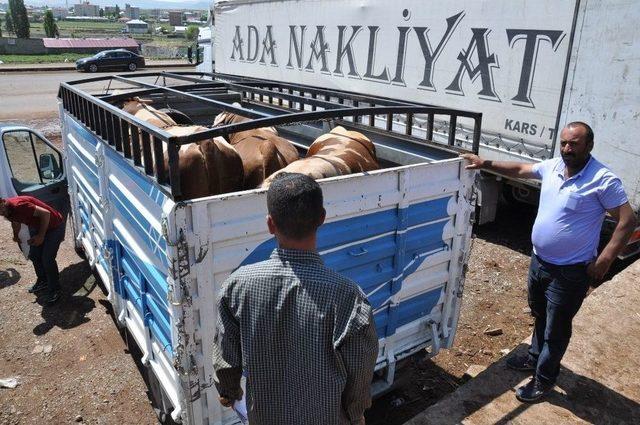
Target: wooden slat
[
  {"x": 135, "y": 145},
  {"x": 117, "y": 133},
  {"x": 146, "y": 153},
  {"x": 409, "y": 127},
  {"x": 174, "y": 172},
  {"x": 158, "y": 159},
  {"x": 452, "y": 130},
  {"x": 126, "y": 138}
]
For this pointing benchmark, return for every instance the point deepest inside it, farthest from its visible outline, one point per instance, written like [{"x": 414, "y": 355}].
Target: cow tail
[{"x": 270, "y": 162}]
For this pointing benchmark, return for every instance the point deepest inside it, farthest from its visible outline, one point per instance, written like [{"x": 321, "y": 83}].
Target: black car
[{"x": 111, "y": 59}]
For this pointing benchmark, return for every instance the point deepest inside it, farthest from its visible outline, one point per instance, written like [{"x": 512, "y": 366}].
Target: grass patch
[
  {"x": 71, "y": 25},
  {"x": 32, "y": 59}
]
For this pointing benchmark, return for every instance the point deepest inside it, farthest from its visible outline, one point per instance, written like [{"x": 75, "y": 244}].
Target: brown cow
[
  {"x": 208, "y": 167},
  {"x": 263, "y": 152},
  {"x": 337, "y": 153}
]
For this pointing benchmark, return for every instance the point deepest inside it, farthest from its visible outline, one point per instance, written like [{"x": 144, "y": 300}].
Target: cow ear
[
  {"x": 219, "y": 119},
  {"x": 339, "y": 130}
]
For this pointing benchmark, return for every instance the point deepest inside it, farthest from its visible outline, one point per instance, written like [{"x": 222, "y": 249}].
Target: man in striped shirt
[{"x": 302, "y": 334}]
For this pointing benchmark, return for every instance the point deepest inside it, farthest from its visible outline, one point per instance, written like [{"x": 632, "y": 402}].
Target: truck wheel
[
  {"x": 132, "y": 67},
  {"x": 160, "y": 407},
  {"x": 77, "y": 247},
  {"x": 93, "y": 67}
]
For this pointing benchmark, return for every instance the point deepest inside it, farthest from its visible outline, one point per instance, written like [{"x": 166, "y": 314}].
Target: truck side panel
[
  {"x": 603, "y": 86},
  {"x": 399, "y": 233},
  {"x": 506, "y": 59},
  {"x": 118, "y": 215}
]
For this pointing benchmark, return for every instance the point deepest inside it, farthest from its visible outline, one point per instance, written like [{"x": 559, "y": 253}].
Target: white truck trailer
[
  {"x": 530, "y": 66},
  {"x": 401, "y": 232}
]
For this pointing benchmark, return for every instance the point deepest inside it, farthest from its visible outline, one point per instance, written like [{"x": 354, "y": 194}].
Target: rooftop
[{"x": 83, "y": 43}]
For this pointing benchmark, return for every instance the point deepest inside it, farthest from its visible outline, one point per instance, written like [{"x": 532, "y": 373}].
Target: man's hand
[
  {"x": 597, "y": 269},
  {"x": 225, "y": 401},
  {"x": 37, "y": 240},
  {"x": 475, "y": 162}
]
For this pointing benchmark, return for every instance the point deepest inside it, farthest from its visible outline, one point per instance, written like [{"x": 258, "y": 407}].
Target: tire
[
  {"x": 92, "y": 68},
  {"x": 77, "y": 247},
  {"x": 132, "y": 67}
]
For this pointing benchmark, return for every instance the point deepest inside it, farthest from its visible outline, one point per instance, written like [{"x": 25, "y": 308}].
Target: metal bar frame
[{"x": 139, "y": 141}]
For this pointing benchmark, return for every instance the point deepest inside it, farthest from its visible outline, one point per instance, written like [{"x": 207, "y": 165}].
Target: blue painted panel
[
  {"x": 88, "y": 169},
  {"x": 417, "y": 307},
  {"x": 145, "y": 285},
  {"x": 80, "y": 131},
  {"x": 425, "y": 212},
  {"x": 141, "y": 283},
  {"x": 372, "y": 264},
  {"x": 147, "y": 234},
  {"x": 332, "y": 235}
]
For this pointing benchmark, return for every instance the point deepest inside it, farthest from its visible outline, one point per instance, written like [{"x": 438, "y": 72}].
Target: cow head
[
  {"x": 226, "y": 118},
  {"x": 135, "y": 104}
]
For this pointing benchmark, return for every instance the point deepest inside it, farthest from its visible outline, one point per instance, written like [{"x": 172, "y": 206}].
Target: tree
[
  {"x": 9, "y": 22},
  {"x": 117, "y": 11},
  {"x": 19, "y": 18},
  {"x": 0, "y": 27},
  {"x": 192, "y": 32},
  {"x": 101, "y": 12},
  {"x": 50, "y": 26}
]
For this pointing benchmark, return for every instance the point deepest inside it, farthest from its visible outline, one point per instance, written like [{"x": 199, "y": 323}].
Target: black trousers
[
  {"x": 43, "y": 257},
  {"x": 555, "y": 296}
]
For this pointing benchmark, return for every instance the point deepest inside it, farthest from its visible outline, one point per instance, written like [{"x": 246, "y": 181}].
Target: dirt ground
[{"x": 73, "y": 364}]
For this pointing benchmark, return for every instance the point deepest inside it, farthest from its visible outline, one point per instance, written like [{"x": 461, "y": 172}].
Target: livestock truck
[
  {"x": 402, "y": 232},
  {"x": 530, "y": 66}
]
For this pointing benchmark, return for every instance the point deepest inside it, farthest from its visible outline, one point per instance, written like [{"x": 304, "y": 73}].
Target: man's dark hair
[
  {"x": 589, "y": 136},
  {"x": 294, "y": 202}
]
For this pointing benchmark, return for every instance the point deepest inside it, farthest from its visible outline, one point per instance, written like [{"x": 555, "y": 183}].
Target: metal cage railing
[{"x": 288, "y": 104}]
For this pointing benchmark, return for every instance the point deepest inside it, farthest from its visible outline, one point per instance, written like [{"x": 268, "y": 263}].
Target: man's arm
[
  {"x": 227, "y": 355},
  {"x": 621, "y": 234},
  {"x": 16, "y": 231},
  {"x": 522, "y": 170},
  {"x": 43, "y": 216},
  {"x": 359, "y": 352}
]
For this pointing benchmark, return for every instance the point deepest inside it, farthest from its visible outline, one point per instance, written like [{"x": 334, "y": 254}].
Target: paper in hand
[{"x": 240, "y": 407}]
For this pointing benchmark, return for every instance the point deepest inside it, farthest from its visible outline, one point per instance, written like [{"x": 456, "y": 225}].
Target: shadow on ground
[
  {"x": 424, "y": 377},
  {"x": 582, "y": 396},
  {"x": 76, "y": 282}
]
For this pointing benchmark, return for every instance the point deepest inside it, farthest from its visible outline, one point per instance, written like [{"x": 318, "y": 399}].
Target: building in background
[
  {"x": 152, "y": 13},
  {"x": 86, "y": 9},
  {"x": 136, "y": 26},
  {"x": 88, "y": 45},
  {"x": 131, "y": 11},
  {"x": 175, "y": 18},
  {"x": 109, "y": 10},
  {"x": 60, "y": 12}
]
